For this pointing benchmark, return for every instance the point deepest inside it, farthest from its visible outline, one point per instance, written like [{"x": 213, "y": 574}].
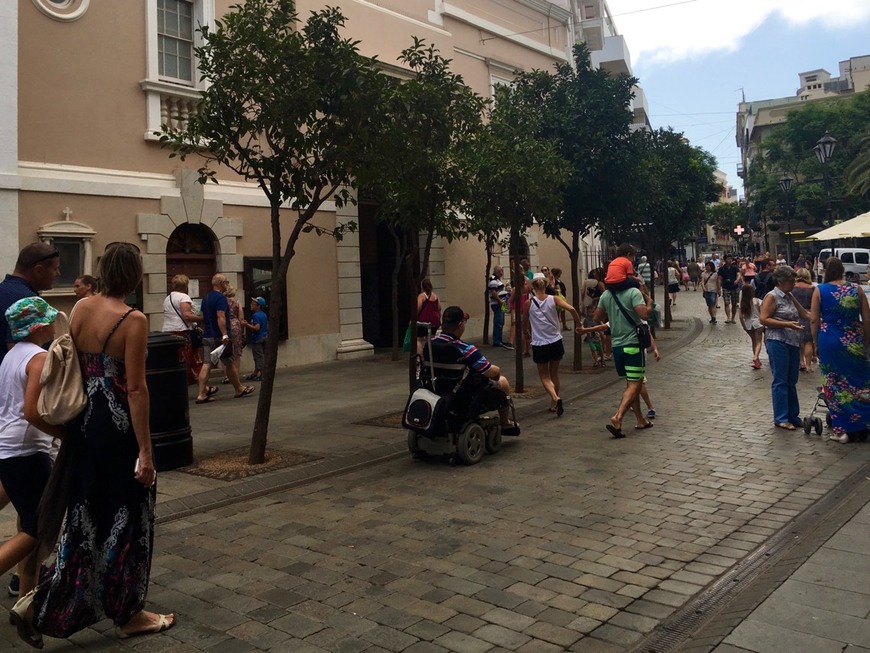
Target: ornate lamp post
[
  {"x": 824, "y": 150},
  {"x": 785, "y": 184}
]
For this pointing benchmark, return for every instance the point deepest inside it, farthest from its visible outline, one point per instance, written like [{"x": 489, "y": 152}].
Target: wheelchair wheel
[
  {"x": 807, "y": 425},
  {"x": 817, "y": 425},
  {"x": 471, "y": 443},
  {"x": 493, "y": 440}
]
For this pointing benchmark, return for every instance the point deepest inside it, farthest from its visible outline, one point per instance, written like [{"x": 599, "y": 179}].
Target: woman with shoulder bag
[
  {"x": 180, "y": 320},
  {"x": 428, "y": 310},
  {"x": 710, "y": 288}
]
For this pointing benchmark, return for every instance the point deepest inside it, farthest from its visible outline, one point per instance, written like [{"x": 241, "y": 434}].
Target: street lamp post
[
  {"x": 785, "y": 184},
  {"x": 824, "y": 150}
]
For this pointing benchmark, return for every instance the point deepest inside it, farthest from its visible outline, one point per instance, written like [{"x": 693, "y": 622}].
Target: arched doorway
[{"x": 191, "y": 251}]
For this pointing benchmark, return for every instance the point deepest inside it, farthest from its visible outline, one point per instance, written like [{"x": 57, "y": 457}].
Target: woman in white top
[
  {"x": 750, "y": 319},
  {"x": 179, "y": 319},
  {"x": 547, "y": 347},
  {"x": 710, "y": 288}
]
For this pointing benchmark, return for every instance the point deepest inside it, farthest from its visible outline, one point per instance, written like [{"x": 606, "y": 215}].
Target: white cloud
[{"x": 682, "y": 31}]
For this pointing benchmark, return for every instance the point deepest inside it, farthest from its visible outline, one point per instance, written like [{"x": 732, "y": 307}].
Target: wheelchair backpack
[{"x": 426, "y": 413}]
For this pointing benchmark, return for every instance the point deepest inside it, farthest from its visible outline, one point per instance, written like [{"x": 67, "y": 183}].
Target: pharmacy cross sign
[{"x": 739, "y": 230}]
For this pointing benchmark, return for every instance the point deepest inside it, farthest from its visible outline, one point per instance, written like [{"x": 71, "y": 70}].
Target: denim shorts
[{"x": 710, "y": 297}]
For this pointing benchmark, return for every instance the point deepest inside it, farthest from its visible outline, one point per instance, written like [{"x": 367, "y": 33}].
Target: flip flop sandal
[
  {"x": 211, "y": 390},
  {"x": 207, "y": 400},
  {"x": 510, "y": 430},
  {"x": 560, "y": 409},
  {"x": 615, "y": 432},
  {"x": 248, "y": 389},
  {"x": 162, "y": 624},
  {"x": 648, "y": 425}
]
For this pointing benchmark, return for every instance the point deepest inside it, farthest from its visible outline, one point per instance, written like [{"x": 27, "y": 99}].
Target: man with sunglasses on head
[{"x": 37, "y": 267}]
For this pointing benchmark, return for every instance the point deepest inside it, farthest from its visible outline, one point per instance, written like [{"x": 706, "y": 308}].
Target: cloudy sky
[{"x": 696, "y": 59}]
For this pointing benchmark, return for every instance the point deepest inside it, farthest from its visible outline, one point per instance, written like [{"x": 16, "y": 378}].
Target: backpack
[{"x": 62, "y": 396}]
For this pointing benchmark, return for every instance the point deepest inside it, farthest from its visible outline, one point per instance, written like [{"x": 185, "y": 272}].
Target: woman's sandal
[
  {"x": 24, "y": 624},
  {"x": 163, "y": 623},
  {"x": 788, "y": 426},
  {"x": 246, "y": 390}
]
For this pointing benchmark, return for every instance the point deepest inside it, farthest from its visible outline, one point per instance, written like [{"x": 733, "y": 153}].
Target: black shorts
[
  {"x": 421, "y": 331},
  {"x": 24, "y": 480},
  {"x": 554, "y": 351}
]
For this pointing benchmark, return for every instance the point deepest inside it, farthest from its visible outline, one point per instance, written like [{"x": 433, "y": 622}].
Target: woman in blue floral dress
[
  {"x": 841, "y": 325},
  {"x": 104, "y": 479}
]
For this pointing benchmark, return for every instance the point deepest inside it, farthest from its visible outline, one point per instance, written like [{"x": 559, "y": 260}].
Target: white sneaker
[{"x": 842, "y": 439}]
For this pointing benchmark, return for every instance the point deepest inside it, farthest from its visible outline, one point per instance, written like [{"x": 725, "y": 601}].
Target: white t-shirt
[
  {"x": 171, "y": 320},
  {"x": 18, "y": 437}
]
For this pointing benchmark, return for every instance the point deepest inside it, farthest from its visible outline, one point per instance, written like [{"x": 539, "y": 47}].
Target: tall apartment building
[{"x": 83, "y": 86}]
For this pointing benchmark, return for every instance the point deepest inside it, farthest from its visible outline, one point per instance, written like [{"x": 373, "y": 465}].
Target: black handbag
[
  {"x": 196, "y": 334},
  {"x": 641, "y": 329}
]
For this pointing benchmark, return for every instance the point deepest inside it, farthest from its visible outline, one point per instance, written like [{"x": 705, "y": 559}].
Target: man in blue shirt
[
  {"x": 37, "y": 267},
  {"x": 483, "y": 373},
  {"x": 216, "y": 332}
]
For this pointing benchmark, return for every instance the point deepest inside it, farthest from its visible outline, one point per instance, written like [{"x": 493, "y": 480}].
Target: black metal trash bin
[{"x": 166, "y": 376}]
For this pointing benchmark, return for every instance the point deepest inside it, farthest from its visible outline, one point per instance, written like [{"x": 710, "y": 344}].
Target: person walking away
[
  {"x": 546, "y": 338},
  {"x": 710, "y": 288},
  {"x": 216, "y": 332},
  {"x": 674, "y": 275},
  {"x": 747, "y": 271},
  {"x": 644, "y": 271},
  {"x": 25, "y": 438},
  {"x": 624, "y": 310},
  {"x": 428, "y": 310},
  {"x": 840, "y": 319},
  {"x": 237, "y": 333},
  {"x": 259, "y": 328},
  {"x": 750, "y": 320},
  {"x": 803, "y": 292},
  {"x": 498, "y": 296},
  {"x": 729, "y": 287},
  {"x": 693, "y": 267},
  {"x": 684, "y": 276},
  {"x": 764, "y": 281},
  {"x": 780, "y": 314},
  {"x": 179, "y": 319},
  {"x": 84, "y": 286},
  {"x": 104, "y": 553}
]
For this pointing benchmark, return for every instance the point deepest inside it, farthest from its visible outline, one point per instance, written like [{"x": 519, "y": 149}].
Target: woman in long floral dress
[
  {"x": 104, "y": 480},
  {"x": 841, "y": 324}
]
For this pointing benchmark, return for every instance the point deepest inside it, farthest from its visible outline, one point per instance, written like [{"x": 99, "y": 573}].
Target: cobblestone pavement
[{"x": 566, "y": 540}]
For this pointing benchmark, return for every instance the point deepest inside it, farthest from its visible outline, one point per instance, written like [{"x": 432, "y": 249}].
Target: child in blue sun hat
[{"x": 25, "y": 438}]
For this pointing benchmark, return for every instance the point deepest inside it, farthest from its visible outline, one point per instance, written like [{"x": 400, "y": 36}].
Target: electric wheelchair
[{"x": 446, "y": 415}]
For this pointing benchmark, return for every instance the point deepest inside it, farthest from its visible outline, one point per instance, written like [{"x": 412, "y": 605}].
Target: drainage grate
[{"x": 808, "y": 531}]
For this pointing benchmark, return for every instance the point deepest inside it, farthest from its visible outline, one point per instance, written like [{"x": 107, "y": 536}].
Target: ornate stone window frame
[{"x": 70, "y": 230}]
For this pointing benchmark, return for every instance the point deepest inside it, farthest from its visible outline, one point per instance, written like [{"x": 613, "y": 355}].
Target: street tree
[
  {"x": 788, "y": 151},
  {"x": 516, "y": 178},
  {"x": 416, "y": 167},
  {"x": 290, "y": 108},
  {"x": 673, "y": 182},
  {"x": 586, "y": 111}
]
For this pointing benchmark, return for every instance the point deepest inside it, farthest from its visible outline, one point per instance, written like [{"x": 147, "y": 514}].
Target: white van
[{"x": 855, "y": 260}]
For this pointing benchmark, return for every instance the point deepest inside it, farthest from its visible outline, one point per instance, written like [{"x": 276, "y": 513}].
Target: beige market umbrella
[{"x": 857, "y": 227}]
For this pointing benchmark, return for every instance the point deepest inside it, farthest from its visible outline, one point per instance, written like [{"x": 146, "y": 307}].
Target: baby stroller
[
  {"x": 811, "y": 421},
  {"x": 445, "y": 414}
]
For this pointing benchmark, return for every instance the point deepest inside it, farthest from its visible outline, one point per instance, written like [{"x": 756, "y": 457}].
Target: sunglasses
[
  {"x": 545, "y": 269},
  {"x": 121, "y": 242},
  {"x": 53, "y": 254}
]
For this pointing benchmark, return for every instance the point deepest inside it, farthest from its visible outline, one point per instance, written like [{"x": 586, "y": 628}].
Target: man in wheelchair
[{"x": 482, "y": 387}]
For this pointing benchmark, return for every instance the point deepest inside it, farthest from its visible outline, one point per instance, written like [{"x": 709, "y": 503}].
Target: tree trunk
[
  {"x": 519, "y": 287},
  {"x": 490, "y": 243},
  {"x": 280, "y": 265},
  {"x": 413, "y": 280},
  {"x": 394, "y": 294},
  {"x": 576, "y": 297}
]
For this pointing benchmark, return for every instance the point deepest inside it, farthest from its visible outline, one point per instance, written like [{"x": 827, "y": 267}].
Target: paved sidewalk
[{"x": 564, "y": 540}]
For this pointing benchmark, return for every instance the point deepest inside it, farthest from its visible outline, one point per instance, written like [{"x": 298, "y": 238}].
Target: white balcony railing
[{"x": 167, "y": 104}]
